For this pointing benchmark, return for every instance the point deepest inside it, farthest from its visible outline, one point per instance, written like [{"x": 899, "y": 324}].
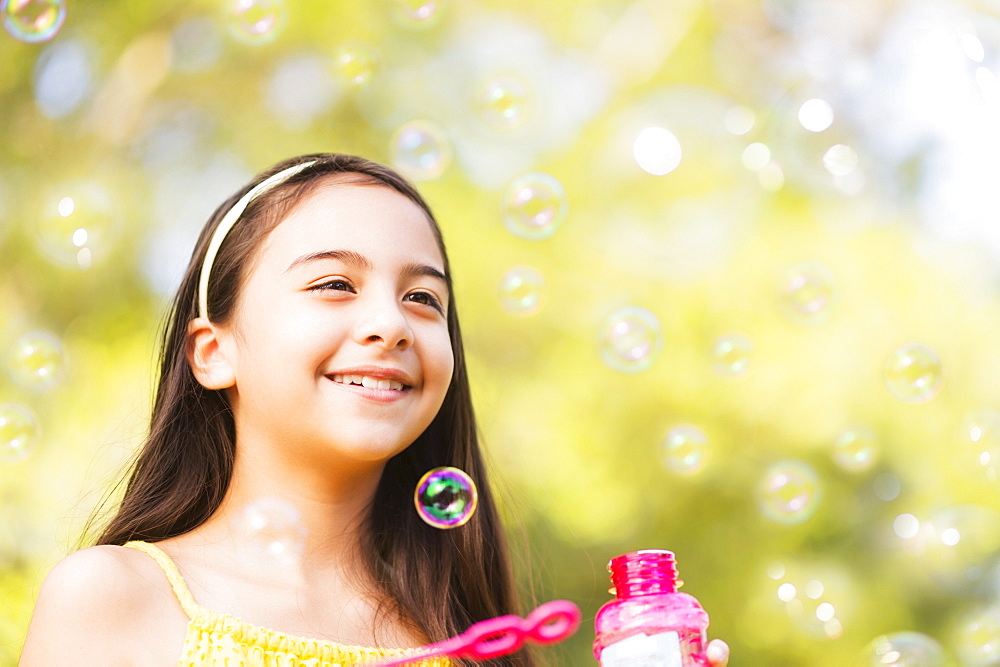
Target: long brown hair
[{"x": 441, "y": 581}]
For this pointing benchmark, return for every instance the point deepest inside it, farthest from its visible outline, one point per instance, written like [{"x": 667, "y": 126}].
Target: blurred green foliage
[{"x": 171, "y": 113}]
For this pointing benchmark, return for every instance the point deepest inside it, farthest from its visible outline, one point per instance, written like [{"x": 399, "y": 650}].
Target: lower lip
[{"x": 375, "y": 395}]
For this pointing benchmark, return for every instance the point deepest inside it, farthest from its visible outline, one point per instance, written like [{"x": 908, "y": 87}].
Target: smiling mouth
[{"x": 368, "y": 382}]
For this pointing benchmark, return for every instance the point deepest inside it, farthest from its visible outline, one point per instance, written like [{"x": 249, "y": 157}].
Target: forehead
[{"x": 374, "y": 220}]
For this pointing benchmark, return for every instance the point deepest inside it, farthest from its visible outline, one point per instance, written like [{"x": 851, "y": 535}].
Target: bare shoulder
[{"x": 99, "y": 605}]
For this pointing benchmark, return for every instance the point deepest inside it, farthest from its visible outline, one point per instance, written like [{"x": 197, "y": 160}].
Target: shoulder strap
[{"x": 191, "y": 608}]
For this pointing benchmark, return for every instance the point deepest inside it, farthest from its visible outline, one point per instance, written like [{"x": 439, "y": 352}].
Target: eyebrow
[{"x": 360, "y": 261}]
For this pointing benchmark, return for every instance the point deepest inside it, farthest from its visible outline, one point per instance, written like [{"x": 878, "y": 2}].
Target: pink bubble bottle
[{"x": 649, "y": 624}]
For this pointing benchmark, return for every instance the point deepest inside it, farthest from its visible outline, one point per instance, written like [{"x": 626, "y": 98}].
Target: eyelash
[{"x": 331, "y": 285}]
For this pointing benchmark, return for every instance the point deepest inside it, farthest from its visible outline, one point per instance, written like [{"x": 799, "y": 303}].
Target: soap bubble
[
  {"x": 417, "y": 13},
  {"x": 957, "y": 544},
  {"x": 77, "y": 224},
  {"x": 684, "y": 449},
  {"x": 730, "y": 354},
  {"x": 504, "y": 101},
  {"x": 977, "y": 637},
  {"x": 981, "y": 431},
  {"x": 806, "y": 293},
  {"x": 421, "y": 150},
  {"x": 534, "y": 205},
  {"x": 521, "y": 290},
  {"x": 33, "y": 21},
  {"x": 18, "y": 432},
  {"x": 790, "y": 492},
  {"x": 36, "y": 360},
  {"x": 905, "y": 649},
  {"x": 913, "y": 373},
  {"x": 255, "y": 21},
  {"x": 355, "y": 63},
  {"x": 270, "y": 533},
  {"x": 446, "y": 498},
  {"x": 630, "y": 338},
  {"x": 856, "y": 449}
]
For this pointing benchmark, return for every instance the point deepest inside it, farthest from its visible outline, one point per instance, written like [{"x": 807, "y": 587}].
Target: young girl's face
[{"x": 340, "y": 336}]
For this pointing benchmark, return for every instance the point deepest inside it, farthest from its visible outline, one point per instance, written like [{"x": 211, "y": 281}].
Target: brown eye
[
  {"x": 425, "y": 298},
  {"x": 335, "y": 285}
]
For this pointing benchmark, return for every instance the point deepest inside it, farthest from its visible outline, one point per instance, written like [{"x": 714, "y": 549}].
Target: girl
[{"x": 312, "y": 354}]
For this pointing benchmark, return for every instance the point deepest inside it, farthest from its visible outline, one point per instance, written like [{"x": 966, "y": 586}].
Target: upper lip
[{"x": 377, "y": 372}]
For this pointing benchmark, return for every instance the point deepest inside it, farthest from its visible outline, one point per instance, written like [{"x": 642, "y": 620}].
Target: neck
[{"x": 315, "y": 508}]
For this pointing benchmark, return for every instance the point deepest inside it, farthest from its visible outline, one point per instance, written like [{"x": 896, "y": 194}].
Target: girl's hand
[{"x": 718, "y": 653}]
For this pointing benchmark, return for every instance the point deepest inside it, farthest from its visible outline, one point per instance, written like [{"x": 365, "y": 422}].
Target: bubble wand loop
[{"x": 549, "y": 623}]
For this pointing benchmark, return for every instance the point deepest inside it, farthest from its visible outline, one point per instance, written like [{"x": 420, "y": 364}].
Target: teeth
[{"x": 368, "y": 382}]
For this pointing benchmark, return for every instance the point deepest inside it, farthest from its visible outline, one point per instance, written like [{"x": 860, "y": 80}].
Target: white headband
[{"x": 230, "y": 220}]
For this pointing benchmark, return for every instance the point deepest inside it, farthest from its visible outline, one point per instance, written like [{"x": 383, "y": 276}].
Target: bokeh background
[{"x": 728, "y": 273}]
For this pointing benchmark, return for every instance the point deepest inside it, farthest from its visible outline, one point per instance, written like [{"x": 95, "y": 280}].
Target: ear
[{"x": 207, "y": 356}]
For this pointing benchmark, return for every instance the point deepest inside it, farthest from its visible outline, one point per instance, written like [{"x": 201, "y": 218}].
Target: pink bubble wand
[{"x": 549, "y": 623}]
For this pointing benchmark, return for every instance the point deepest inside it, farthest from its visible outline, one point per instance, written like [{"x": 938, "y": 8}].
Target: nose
[{"x": 384, "y": 324}]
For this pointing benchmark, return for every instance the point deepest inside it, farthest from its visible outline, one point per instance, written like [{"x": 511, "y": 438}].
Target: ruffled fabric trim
[{"x": 222, "y": 640}]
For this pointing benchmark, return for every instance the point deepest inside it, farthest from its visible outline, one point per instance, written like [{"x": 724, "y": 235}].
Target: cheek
[{"x": 443, "y": 360}]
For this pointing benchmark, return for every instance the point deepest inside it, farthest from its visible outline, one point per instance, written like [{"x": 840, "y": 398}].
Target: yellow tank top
[{"x": 222, "y": 640}]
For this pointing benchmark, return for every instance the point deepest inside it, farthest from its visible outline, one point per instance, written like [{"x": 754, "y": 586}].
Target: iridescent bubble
[
  {"x": 977, "y": 637},
  {"x": 256, "y": 21},
  {"x": 630, "y": 338},
  {"x": 806, "y": 293},
  {"x": 981, "y": 433},
  {"x": 657, "y": 151},
  {"x": 684, "y": 449},
  {"x": 789, "y": 492},
  {"x": 33, "y": 21},
  {"x": 912, "y": 373},
  {"x": 534, "y": 206},
  {"x": 77, "y": 224},
  {"x": 521, "y": 290},
  {"x": 504, "y": 101},
  {"x": 446, "y": 498},
  {"x": 856, "y": 449},
  {"x": 417, "y": 13},
  {"x": 270, "y": 533},
  {"x": 958, "y": 544},
  {"x": 421, "y": 150},
  {"x": 37, "y": 360},
  {"x": 355, "y": 63},
  {"x": 905, "y": 649},
  {"x": 18, "y": 432},
  {"x": 730, "y": 354}
]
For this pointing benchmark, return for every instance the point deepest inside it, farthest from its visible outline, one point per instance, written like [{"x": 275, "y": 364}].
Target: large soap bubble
[
  {"x": 905, "y": 649},
  {"x": 18, "y": 432},
  {"x": 630, "y": 338},
  {"x": 33, "y": 21},
  {"x": 534, "y": 206},
  {"x": 912, "y": 373},
  {"x": 446, "y": 498},
  {"x": 789, "y": 492},
  {"x": 36, "y": 360},
  {"x": 270, "y": 533}
]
